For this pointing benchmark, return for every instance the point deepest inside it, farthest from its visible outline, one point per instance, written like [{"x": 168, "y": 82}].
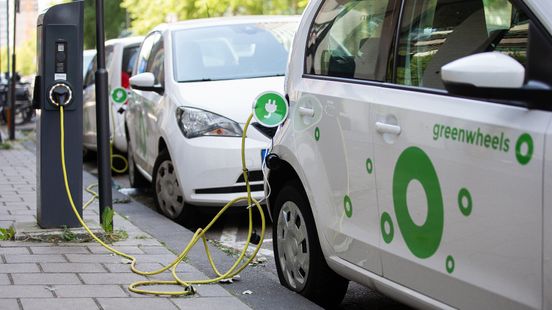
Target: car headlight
[{"x": 195, "y": 123}]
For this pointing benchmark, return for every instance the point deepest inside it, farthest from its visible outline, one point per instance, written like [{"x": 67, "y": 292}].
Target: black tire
[
  {"x": 320, "y": 284},
  {"x": 169, "y": 199},
  {"x": 137, "y": 180}
]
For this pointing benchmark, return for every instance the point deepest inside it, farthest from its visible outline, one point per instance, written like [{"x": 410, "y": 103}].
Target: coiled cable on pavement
[{"x": 188, "y": 289}]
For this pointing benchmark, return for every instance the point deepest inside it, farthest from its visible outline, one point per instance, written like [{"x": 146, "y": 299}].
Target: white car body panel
[{"x": 502, "y": 251}]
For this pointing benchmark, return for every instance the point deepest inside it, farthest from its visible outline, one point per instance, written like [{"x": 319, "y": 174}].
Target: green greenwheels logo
[{"x": 423, "y": 240}]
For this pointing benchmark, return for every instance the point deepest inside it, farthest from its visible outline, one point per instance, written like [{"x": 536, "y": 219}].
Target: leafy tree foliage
[
  {"x": 146, "y": 14},
  {"x": 114, "y": 21}
]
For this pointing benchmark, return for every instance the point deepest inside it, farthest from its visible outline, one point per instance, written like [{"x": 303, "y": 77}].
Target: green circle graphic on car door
[
  {"x": 348, "y": 206},
  {"x": 524, "y": 156},
  {"x": 422, "y": 240}
]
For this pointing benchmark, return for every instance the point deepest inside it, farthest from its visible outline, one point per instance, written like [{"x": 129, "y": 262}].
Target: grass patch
[
  {"x": 6, "y": 146},
  {"x": 7, "y": 233}
]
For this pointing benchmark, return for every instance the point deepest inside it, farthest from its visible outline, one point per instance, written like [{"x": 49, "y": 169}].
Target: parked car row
[
  {"x": 415, "y": 158},
  {"x": 188, "y": 89}
]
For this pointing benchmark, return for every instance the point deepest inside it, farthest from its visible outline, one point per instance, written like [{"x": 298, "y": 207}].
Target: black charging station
[{"x": 59, "y": 83}]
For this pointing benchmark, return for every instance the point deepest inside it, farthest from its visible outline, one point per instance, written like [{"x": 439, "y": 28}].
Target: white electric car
[
  {"x": 120, "y": 57},
  {"x": 192, "y": 90},
  {"x": 417, "y": 156}
]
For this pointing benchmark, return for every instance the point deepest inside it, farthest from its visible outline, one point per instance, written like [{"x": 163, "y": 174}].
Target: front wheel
[
  {"x": 169, "y": 198},
  {"x": 300, "y": 262}
]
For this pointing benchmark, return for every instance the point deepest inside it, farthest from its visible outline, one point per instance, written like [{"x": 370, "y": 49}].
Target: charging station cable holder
[{"x": 60, "y": 94}]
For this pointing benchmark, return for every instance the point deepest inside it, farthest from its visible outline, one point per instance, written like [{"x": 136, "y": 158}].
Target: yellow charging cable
[
  {"x": 199, "y": 234},
  {"x": 120, "y": 157}
]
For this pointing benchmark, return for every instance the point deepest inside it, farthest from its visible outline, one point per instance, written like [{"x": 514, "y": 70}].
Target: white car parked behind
[
  {"x": 120, "y": 57},
  {"x": 193, "y": 89}
]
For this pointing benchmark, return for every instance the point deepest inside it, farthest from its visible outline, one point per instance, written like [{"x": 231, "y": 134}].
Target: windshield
[{"x": 232, "y": 51}]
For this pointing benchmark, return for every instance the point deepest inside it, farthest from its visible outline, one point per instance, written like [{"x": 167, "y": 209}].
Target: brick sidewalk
[{"x": 35, "y": 275}]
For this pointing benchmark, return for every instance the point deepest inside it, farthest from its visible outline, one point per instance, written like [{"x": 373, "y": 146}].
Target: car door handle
[
  {"x": 306, "y": 112},
  {"x": 388, "y": 128}
]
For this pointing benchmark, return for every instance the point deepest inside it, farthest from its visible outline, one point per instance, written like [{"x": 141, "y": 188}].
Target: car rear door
[{"x": 459, "y": 180}]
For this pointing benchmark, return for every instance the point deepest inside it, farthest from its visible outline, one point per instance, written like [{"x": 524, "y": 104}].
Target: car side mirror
[
  {"x": 494, "y": 76},
  {"x": 146, "y": 82}
]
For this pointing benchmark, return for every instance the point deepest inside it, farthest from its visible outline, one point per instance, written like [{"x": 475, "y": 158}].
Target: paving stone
[
  {"x": 125, "y": 249},
  {"x": 111, "y": 278},
  {"x": 9, "y": 304},
  {"x": 4, "y": 251},
  {"x": 156, "y": 258},
  {"x": 72, "y": 267},
  {"x": 89, "y": 291},
  {"x": 121, "y": 268},
  {"x": 226, "y": 303},
  {"x": 21, "y": 291},
  {"x": 4, "y": 280},
  {"x": 5, "y": 224},
  {"x": 140, "y": 241},
  {"x": 156, "y": 250},
  {"x": 45, "y": 278},
  {"x": 58, "y": 303},
  {"x": 11, "y": 199},
  {"x": 93, "y": 258},
  {"x": 54, "y": 258},
  {"x": 60, "y": 250},
  {"x": 18, "y": 268},
  {"x": 136, "y": 304},
  {"x": 23, "y": 212}
]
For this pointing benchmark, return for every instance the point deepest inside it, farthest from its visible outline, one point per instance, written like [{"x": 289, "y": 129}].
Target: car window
[
  {"x": 90, "y": 76},
  {"x": 345, "y": 39},
  {"x": 156, "y": 62},
  {"x": 434, "y": 33},
  {"x": 129, "y": 58},
  {"x": 145, "y": 51},
  {"x": 232, "y": 51}
]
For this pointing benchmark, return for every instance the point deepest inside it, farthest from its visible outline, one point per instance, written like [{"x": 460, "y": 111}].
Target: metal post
[
  {"x": 12, "y": 83},
  {"x": 7, "y": 106},
  {"x": 102, "y": 116},
  {"x": 8, "y": 37}
]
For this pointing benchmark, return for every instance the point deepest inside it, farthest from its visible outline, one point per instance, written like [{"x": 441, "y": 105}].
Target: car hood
[{"x": 230, "y": 98}]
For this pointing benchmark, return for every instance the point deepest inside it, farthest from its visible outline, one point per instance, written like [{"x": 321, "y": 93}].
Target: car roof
[
  {"x": 125, "y": 41},
  {"x": 220, "y": 21}
]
